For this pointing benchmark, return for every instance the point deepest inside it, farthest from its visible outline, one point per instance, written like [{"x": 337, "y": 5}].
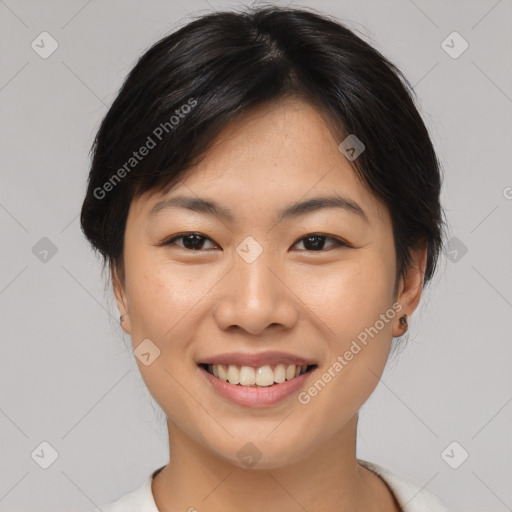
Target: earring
[{"x": 403, "y": 322}]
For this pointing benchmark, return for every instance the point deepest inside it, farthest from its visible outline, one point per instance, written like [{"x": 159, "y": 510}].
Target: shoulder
[
  {"x": 139, "y": 500},
  {"x": 410, "y": 496}
]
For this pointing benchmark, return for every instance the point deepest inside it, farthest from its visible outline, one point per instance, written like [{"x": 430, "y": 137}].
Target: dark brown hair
[{"x": 188, "y": 85}]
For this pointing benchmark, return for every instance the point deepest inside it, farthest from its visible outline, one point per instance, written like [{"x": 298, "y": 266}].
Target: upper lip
[{"x": 256, "y": 359}]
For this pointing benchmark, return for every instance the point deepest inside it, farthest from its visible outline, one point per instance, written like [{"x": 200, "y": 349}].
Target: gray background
[{"x": 67, "y": 375}]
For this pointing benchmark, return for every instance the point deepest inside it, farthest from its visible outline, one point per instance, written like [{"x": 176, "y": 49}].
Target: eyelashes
[
  {"x": 313, "y": 239},
  {"x": 194, "y": 241}
]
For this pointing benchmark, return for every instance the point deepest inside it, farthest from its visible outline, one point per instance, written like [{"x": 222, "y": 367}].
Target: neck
[{"x": 328, "y": 479}]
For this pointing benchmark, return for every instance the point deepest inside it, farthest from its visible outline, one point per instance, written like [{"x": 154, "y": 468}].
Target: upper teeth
[{"x": 261, "y": 376}]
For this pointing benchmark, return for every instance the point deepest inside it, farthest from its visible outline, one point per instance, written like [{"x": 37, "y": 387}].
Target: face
[{"x": 258, "y": 282}]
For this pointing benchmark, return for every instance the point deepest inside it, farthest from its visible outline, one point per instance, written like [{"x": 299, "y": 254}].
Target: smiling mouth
[{"x": 257, "y": 377}]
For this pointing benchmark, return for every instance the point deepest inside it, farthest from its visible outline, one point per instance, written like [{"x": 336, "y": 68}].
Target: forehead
[{"x": 272, "y": 155}]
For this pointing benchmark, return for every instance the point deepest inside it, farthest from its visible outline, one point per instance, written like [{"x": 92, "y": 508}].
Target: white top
[{"x": 409, "y": 496}]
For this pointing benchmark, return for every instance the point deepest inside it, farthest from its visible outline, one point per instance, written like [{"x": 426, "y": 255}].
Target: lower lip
[{"x": 256, "y": 397}]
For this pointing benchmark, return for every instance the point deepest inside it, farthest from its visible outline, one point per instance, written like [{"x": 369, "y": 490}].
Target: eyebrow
[{"x": 298, "y": 209}]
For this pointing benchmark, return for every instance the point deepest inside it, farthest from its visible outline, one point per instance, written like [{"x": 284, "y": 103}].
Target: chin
[{"x": 250, "y": 452}]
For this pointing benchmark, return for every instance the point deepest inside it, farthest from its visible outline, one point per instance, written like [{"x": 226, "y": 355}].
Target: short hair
[{"x": 187, "y": 86}]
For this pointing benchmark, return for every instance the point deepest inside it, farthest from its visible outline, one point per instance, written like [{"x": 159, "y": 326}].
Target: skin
[{"x": 313, "y": 303}]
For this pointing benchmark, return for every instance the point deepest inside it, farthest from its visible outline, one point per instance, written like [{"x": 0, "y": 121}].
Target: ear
[
  {"x": 411, "y": 285},
  {"x": 121, "y": 299}
]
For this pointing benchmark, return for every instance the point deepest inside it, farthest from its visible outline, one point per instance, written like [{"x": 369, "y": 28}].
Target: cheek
[
  {"x": 355, "y": 306},
  {"x": 351, "y": 295},
  {"x": 164, "y": 295},
  {"x": 165, "y": 302}
]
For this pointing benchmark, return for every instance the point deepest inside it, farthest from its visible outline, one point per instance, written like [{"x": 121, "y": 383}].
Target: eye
[
  {"x": 316, "y": 242},
  {"x": 191, "y": 241},
  {"x": 196, "y": 241}
]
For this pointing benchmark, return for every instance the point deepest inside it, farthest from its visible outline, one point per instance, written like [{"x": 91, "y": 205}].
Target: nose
[{"x": 256, "y": 296}]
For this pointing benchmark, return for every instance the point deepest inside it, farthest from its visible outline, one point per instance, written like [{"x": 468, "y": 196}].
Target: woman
[{"x": 266, "y": 196}]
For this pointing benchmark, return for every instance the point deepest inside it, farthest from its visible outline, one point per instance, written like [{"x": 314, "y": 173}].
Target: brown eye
[
  {"x": 316, "y": 242},
  {"x": 191, "y": 241},
  {"x": 196, "y": 242}
]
